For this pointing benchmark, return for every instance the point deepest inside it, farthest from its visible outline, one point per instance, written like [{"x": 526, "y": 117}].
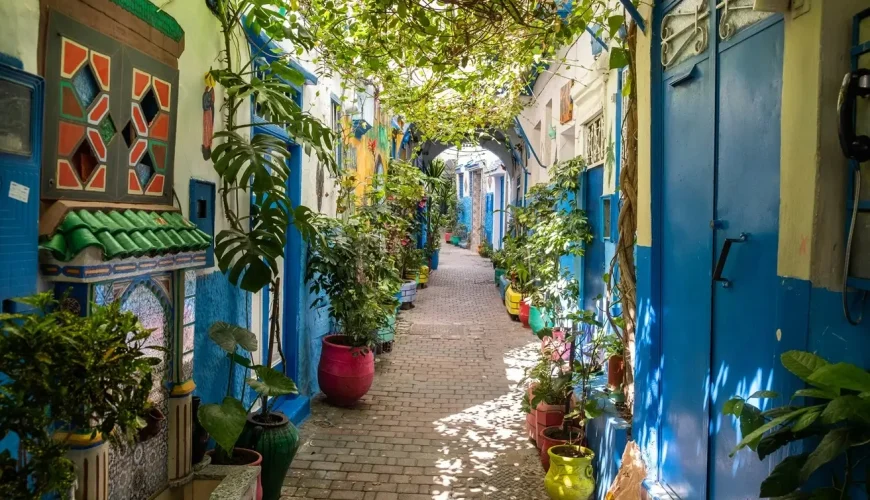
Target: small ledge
[{"x": 237, "y": 482}]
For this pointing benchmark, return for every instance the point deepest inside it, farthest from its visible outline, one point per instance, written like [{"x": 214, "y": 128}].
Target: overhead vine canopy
[{"x": 450, "y": 66}]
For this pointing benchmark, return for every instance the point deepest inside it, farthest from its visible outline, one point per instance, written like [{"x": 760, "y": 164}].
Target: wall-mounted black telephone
[
  {"x": 856, "y": 148},
  {"x": 856, "y": 84}
]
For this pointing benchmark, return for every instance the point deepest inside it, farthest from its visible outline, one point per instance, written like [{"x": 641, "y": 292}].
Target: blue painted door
[
  {"x": 746, "y": 348},
  {"x": 719, "y": 167},
  {"x": 686, "y": 249},
  {"x": 593, "y": 257}
]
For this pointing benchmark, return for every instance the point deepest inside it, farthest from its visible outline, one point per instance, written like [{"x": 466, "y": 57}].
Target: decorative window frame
[{"x": 595, "y": 140}]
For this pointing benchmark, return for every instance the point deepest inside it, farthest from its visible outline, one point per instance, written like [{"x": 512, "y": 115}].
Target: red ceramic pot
[
  {"x": 244, "y": 456},
  {"x": 345, "y": 373},
  {"x": 531, "y": 418},
  {"x": 615, "y": 371},
  {"x": 547, "y": 416},
  {"x": 552, "y": 436},
  {"x": 447, "y": 236},
  {"x": 525, "y": 309}
]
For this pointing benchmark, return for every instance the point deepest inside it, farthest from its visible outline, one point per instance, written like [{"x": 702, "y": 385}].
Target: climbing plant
[
  {"x": 253, "y": 166},
  {"x": 450, "y": 67}
]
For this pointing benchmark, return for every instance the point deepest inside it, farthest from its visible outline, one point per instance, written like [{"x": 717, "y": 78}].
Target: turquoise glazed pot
[
  {"x": 277, "y": 440},
  {"x": 498, "y": 274},
  {"x": 537, "y": 320}
]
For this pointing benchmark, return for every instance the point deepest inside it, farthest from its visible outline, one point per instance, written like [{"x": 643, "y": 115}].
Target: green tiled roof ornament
[
  {"x": 120, "y": 234},
  {"x": 154, "y": 16}
]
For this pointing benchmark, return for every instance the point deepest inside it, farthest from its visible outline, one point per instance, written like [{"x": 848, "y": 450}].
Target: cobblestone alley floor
[{"x": 443, "y": 418}]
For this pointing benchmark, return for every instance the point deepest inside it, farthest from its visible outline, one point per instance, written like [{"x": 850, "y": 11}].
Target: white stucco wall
[
  {"x": 593, "y": 92},
  {"x": 19, "y": 35}
]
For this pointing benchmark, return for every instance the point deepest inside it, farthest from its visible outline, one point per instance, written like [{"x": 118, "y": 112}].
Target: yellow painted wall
[
  {"x": 799, "y": 145},
  {"x": 358, "y": 153},
  {"x": 644, "y": 136}
]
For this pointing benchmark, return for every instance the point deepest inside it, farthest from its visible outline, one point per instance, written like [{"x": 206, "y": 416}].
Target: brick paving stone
[{"x": 442, "y": 420}]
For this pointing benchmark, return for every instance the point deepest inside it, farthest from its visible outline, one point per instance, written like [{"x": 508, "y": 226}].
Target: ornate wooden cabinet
[{"x": 110, "y": 119}]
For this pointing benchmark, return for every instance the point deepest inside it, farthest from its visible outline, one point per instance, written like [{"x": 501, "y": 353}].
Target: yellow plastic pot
[
  {"x": 570, "y": 478},
  {"x": 412, "y": 276},
  {"x": 424, "y": 275},
  {"x": 512, "y": 301}
]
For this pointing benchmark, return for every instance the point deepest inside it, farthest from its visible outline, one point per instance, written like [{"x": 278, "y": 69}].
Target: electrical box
[
  {"x": 21, "y": 99},
  {"x": 202, "y": 210}
]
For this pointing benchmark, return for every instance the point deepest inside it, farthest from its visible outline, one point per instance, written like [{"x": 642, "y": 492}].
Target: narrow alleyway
[{"x": 443, "y": 419}]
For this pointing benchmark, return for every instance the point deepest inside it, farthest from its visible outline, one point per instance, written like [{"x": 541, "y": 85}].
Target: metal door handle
[{"x": 723, "y": 257}]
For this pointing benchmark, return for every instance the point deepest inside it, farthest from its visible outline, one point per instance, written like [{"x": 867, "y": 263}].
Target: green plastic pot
[
  {"x": 454, "y": 240},
  {"x": 498, "y": 274},
  {"x": 537, "y": 321},
  {"x": 277, "y": 440}
]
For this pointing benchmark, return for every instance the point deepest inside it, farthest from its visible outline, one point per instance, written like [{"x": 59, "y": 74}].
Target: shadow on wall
[{"x": 217, "y": 300}]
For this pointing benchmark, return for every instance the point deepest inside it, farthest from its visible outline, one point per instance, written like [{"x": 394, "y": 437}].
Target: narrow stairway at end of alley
[{"x": 443, "y": 419}]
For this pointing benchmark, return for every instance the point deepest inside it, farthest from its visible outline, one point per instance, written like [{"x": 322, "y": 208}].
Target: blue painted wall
[
  {"x": 488, "y": 217},
  {"x": 465, "y": 213},
  {"x": 593, "y": 257},
  {"x": 217, "y": 300}
]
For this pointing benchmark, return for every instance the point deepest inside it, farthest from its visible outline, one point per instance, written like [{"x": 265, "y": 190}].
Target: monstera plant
[
  {"x": 833, "y": 423},
  {"x": 226, "y": 421}
]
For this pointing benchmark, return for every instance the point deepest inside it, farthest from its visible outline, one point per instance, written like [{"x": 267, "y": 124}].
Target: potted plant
[
  {"x": 614, "y": 350},
  {"x": 571, "y": 475},
  {"x": 438, "y": 191},
  {"x": 154, "y": 419},
  {"x": 830, "y": 418},
  {"x": 350, "y": 265},
  {"x": 57, "y": 378},
  {"x": 267, "y": 436}
]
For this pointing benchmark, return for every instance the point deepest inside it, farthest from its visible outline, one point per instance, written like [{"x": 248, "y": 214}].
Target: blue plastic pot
[{"x": 433, "y": 261}]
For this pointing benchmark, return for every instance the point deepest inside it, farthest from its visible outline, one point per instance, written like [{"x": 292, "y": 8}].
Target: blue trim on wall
[
  {"x": 262, "y": 46},
  {"x": 501, "y": 211},
  {"x": 529, "y": 147}
]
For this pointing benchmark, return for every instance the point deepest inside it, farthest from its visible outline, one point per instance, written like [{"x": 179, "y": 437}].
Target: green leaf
[
  {"x": 806, "y": 420},
  {"x": 785, "y": 477},
  {"x": 830, "y": 447},
  {"x": 846, "y": 407},
  {"x": 614, "y": 23},
  {"x": 842, "y": 376},
  {"x": 814, "y": 393},
  {"x": 764, "y": 395},
  {"x": 228, "y": 337},
  {"x": 618, "y": 58},
  {"x": 779, "y": 438},
  {"x": 753, "y": 436},
  {"x": 225, "y": 422},
  {"x": 801, "y": 363},
  {"x": 733, "y": 406},
  {"x": 272, "y": 382},
  {"x": 750, "y": 421}
]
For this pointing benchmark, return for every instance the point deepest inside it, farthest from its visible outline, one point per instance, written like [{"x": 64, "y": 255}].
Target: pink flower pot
[{"x": 345, "y": 373}]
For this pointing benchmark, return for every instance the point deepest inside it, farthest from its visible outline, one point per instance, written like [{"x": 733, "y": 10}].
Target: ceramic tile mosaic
[
  {"x": 141, "y": 471},
  {"x": 189, "y": 310},
  {"x": 187, "y": 338},
  {"x": 189, "y": 283}
]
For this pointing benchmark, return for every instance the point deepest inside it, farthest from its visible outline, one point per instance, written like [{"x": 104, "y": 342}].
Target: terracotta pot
[
  {"x": 615, "y": 371},
  {"x": 546, "y": 442},
  {"x": 154, "y": 424},
  {"x": 547, "y": 416},
  {"x": 246, "y": 457},
  {"x": 525, "y": 309},
  {"x": 531, "y": 418},
  {"x": 345, "y": 373}
]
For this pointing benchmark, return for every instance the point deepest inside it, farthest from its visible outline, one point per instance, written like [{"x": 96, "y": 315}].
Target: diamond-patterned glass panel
[
  {"x": 86, "y": 85},
  {"x": 107, "y": 129},
  {"x": 150, "y": 106},
  {"x": 145, "y": 169}
]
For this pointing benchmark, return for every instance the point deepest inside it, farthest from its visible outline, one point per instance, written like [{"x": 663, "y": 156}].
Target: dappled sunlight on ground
[{"x": 443, "y": 419}]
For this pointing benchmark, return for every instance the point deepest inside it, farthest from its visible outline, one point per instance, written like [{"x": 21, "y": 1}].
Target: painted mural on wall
[
  {"x": 566, "y": 103},
  {"x": 207, "y": 117},
  {"x": 374, "y": 148}
]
